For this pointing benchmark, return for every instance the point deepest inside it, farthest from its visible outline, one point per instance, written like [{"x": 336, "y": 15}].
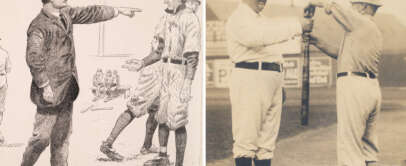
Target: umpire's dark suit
[{"x": 51, "y": 59}]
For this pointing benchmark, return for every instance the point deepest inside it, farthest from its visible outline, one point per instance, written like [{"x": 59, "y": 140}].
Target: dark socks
[
  {"x": 243, "y": 161},
  {"x": 123, "y": 120},
  {"x": 163, "y": 135},
  {"x": 368, "y": 163},
  {"x": 266, "y": 162},
  {"x": 151, "y": 126},
  {"x": 180, "y": 139}
]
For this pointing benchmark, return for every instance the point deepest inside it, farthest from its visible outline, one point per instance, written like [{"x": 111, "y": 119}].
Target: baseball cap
[{"x": 372, "y": 2}]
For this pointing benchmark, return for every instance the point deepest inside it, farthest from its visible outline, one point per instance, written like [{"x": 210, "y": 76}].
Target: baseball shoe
[
  {"x": 160, "y": 161},
  {"x": 108, "y": 150},
  {"x": 152, "y": 149}
]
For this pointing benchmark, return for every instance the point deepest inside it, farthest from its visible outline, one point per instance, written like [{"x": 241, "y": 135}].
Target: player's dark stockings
[
  {"x": 181, "y": 140},
  {"x": 163, "y": 137},
  {"x": 122, "y": 122},
  {"x": 151, "y": 126},
  {"x": 262, "y": 162},
  {"x": 370, "y": 163},
  {"x": 243, "y": 161}
]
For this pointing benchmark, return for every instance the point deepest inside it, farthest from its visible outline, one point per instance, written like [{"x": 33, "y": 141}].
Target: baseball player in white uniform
[
  {"x": 5, "y": 68},
  {"x": 256, "y": 80},
  {"x": 145, "y": 98},
  {"x": 182, "y": 36},
  {"x": 358, "y": 91}
]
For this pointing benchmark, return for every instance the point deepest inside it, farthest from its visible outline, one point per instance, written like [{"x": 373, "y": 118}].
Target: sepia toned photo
[
  {"x": 305, "y": 82},
  {"x": 101, "y": 83}
]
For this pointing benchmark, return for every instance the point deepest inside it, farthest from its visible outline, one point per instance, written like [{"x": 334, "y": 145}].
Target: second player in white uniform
[
  {"x": 182, "y": 38},
  {"x": 145, "y": 98},
  {"x": 5, "y": 68}
]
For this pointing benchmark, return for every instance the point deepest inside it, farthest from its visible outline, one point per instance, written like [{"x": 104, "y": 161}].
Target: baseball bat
[{"x": 304, "y": 111}]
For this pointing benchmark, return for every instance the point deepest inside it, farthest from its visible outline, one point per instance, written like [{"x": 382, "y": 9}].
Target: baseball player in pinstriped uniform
[
  {"x": 146, "y": 96},
  {"x": 358, "y": 91},
  {"x": 5, "y": 68},
  {"x": 179, "y": 63}
]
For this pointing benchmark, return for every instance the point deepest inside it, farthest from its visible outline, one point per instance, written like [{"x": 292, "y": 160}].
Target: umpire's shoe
[
  {"x": 160, "y": 161},
  {"x": 108, "y": 150}
]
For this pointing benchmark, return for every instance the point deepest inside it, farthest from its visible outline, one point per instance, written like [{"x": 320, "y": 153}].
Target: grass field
[{"x": 298, "y": 145}]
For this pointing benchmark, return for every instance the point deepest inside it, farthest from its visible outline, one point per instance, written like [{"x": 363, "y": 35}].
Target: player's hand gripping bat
[{"x": 304, "y": 112}]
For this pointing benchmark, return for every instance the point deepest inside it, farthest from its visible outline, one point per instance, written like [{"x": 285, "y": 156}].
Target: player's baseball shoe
[
  {"x": 152, "y": 149},
  {"x": 108, "y": 150},
  {"x": 159, "y": 161}
]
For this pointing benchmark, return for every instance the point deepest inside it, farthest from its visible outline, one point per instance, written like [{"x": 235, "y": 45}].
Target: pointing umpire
[
  {"x": 358, "y": 91},
  {"x": 256, "y": 80},
  {"x": 51, "y": 59}
]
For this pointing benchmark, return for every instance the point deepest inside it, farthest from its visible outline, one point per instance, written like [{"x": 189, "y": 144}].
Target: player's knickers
[
  {"x": 3, "y": 92},
  {"x": 147, "y": 90},
  {"x": 172, "y": 111}
]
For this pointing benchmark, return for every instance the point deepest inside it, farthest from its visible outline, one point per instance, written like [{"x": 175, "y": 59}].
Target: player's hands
[
  {"x": 48, "y": 94},
  {"x": 307, "y": 24},
  {"x": 134, "y": 65},
  {"x": 129, "y": 12},
  {"x": 185, "y": 94},
  {"x": 313, "y": 40}
]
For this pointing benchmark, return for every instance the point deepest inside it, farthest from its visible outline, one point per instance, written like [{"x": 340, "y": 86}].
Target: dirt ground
[
  {"x": 313, "y": 145},
  {"x": 92, "y": 127}
]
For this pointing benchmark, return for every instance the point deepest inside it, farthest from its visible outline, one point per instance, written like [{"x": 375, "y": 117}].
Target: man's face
[
  {"x": 260, "y": 6},
  {"x": 358, "y": 6},
  {"x": 193, "y": 5},
  {"x": 109, "y": 74},
  {"x": 364, "y": 8},
  {"x": 172, "y": 4},
  {"x": 59, "y": 4}
]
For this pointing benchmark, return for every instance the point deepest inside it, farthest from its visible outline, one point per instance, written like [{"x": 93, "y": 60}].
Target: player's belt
[
  {"x": 256, "y": 66},
  {"x": 361, "y": 74},
  {"x": 174, "y": 61}
]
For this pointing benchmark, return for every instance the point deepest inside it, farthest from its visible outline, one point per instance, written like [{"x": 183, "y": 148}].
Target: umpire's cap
[{"x": 377, "y": 3}]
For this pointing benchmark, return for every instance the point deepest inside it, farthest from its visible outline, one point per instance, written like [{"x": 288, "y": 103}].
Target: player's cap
[{"x": 372, "y": 2}]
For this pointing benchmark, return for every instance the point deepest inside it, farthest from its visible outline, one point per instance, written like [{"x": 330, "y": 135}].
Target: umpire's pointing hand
[{"x": 129, "y": 12}]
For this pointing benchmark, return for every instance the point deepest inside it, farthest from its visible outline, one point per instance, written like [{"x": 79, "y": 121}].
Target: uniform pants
[
  {"x": 358, "y": 107},
  {"x": 148, "y": 90},
  {"x": 256, "y": 100},
  {"x": 3, "y": 93},
  {"x": 172, "y": 111}
]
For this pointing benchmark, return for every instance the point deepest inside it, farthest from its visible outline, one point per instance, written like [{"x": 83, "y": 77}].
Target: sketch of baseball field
[{"x": 104, "y": 46}]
